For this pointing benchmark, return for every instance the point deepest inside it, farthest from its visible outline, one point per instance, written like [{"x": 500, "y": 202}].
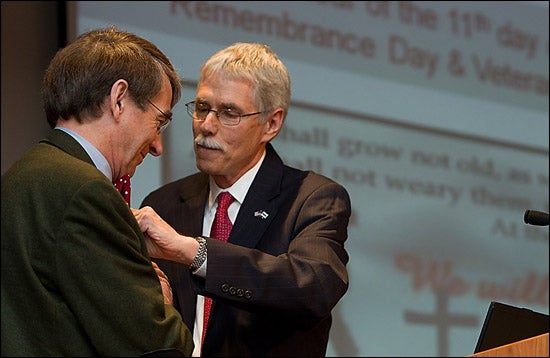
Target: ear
[
  {"x": 119, "y": 91},
  {"x": 273, "y": 124}
]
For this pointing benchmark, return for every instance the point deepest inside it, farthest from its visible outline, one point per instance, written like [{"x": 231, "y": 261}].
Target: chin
[{"x": 205, "y": 166}]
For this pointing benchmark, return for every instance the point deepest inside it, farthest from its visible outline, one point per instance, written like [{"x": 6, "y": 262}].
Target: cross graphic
[{"x": 442, "y": 320}]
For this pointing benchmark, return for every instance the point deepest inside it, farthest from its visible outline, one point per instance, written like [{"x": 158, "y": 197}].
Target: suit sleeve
[{"x": 299, "y": 266}]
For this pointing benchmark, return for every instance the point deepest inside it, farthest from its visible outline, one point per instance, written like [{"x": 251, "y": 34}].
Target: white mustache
[{"x": 208, "y": 142}]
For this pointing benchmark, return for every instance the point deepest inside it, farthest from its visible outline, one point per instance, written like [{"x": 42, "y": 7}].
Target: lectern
[
  {"x": 510, "y": 331},
  {"x": 531, "y": 347}
]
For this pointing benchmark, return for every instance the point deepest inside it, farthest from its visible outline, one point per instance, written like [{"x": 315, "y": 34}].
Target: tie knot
[
  {"x": 224, "y": 200},
  {"x": 123, "y": 186}
]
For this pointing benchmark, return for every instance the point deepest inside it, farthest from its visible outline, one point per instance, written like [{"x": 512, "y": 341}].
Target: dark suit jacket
[
  {"x": 274, "y": 285},
  {"x": 77, "y": 279}
]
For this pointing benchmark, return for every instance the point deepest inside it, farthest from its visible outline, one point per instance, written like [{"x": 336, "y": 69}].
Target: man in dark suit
[
  {"x": 77, "y": 279},
  {"x": 283, "y": 269}
]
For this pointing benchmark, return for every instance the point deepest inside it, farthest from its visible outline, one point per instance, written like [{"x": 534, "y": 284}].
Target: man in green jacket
[{"x": 77, "y": 279}]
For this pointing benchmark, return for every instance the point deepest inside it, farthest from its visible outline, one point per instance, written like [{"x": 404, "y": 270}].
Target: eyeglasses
[
  {"x": 227, "y": 116},
  {"x": 162, "y": 124}
]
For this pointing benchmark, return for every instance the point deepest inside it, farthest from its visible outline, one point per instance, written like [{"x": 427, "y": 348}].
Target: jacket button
[{"x": 225, "y": 288}]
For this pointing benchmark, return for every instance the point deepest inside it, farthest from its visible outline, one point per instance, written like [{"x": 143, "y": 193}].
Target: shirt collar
[
  {"x": 99, "y": 160},
  {"x": 239, "y": 189}
]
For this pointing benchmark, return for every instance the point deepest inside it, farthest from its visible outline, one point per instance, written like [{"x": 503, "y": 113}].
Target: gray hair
[{"x": 258, "y": 64}]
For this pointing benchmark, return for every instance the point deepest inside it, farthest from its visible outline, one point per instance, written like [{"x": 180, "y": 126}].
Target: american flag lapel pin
[{"x": 262, "y": 214}]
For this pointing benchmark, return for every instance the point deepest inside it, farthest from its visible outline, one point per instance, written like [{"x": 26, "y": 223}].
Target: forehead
[{"x": 217, "y": 89}]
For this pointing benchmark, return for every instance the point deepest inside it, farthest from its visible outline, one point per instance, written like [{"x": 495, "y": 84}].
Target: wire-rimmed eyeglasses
[
  {"x": 161, "y": 126},
  {"x": 226, "y": 116}
]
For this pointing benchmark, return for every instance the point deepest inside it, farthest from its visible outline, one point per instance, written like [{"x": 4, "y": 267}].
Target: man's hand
[
  {"x": 162, "y": 240},
  {"x": 166, "y": 289}
]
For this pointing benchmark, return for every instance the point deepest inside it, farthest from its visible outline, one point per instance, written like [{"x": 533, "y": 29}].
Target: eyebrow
[
  {"x": 222, "y": 105},
  {"x": 169, "y": 114}
]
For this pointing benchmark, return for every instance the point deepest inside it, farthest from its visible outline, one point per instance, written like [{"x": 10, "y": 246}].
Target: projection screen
[{"x": 434, "y": 116}]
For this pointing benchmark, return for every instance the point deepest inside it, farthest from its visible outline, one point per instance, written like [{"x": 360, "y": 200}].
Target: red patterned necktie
[
  {"x": 123, "y": 186},
  {"x": 221, "y": 227}
]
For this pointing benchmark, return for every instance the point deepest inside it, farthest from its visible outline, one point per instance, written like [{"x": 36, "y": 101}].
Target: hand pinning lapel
[{"x": 262, "y": 214}]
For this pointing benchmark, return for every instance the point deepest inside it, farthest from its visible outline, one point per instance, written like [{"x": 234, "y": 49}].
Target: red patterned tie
[
  {"x": 123, "y": 185},
  {"x": 221, "y": 227}
]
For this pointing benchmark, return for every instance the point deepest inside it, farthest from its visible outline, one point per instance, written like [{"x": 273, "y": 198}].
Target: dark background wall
[{"x": 30, "y": 36}]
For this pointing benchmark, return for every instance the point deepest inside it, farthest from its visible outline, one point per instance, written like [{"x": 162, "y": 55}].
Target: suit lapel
[
  {"x": 193, "y": 194},
  {"x": 261, "y": 203}
]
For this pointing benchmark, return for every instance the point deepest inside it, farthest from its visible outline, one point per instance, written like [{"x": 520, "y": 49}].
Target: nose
[
  {"x": 212, "y": 111},
  {"x": 155, "y": 148},
  {"x": 210, "y": 123}
]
